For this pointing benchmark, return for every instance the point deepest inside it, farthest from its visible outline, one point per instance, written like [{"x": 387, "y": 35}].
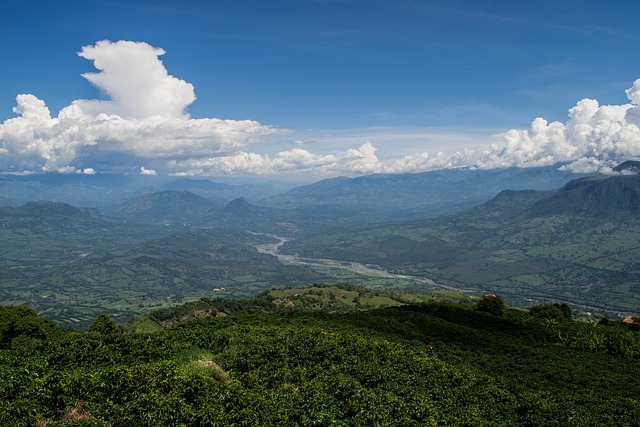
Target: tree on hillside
[
  {"x": 22, "y": 321},
  {"x": 105, "y": 325},
  {"x": 566, "y": 310},
  {"x": 548, "y": 311},
  {"x": 492, "y": 304}
]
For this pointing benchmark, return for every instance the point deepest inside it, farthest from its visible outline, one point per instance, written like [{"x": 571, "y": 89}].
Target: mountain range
[
  {"x": 387, "y": 197},
  {"x": 165, "y": 207},
  {"x": 381, "y": 197},
  {"x": 578, "y": 244},
  {"x": 562, "y": 239}
]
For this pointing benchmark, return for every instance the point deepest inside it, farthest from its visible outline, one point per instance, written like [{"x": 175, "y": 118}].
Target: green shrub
[
  {"x": 105, "y": 325},
  {"x": 21, "y": 321},
  {"x": 492, "y": 304},
  {"x": 548, "y": 311}
]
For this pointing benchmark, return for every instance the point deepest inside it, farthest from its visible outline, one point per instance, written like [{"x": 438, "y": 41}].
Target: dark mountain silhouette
[
  {"x": 241, "y": 208},
  {"x": 240, "y": 213},
  {"x": 599, "y": 196},
  {"x": 632, "y": 166}
]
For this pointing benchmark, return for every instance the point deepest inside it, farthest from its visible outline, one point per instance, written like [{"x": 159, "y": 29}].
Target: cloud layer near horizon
[{"x": 144, "y": 122}]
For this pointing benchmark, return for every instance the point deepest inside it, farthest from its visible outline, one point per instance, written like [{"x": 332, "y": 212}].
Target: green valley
[{"x": 580, "y": 244}]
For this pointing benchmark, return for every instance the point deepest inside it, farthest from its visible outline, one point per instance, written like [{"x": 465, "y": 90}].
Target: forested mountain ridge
[
  {"x": 418, "y": 195},
  {"x": 577, "y": 244},
  {"x": 597, "y": 196}
]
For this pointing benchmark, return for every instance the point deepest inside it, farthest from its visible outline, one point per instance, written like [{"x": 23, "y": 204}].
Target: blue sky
[{"x": 339, "y": 87}]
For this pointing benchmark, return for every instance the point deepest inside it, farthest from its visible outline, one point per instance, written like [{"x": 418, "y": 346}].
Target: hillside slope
[
  {"x": 429, "y": 364},
  {"x": 579, "y": 244}
]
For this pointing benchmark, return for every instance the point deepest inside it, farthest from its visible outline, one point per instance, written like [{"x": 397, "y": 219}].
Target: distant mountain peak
[
  {"x": 163, "y": 207},
  {"x": 240, "y": 201},
  {"x": 53, "y": 207},
  {"x": 632, "y": 166},
  {"x": 239, "y": 206}
]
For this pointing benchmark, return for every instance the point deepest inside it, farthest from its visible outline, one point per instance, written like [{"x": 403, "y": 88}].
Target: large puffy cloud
[
  {"x": 144, "y": 118},
  {"x": 242, "y": 162},
  {"x": 144, "y": 121},
  {"x": 135, "y": 80},
  {"x": 594, "y": 138},
  {"x": 31, "y": 141}
]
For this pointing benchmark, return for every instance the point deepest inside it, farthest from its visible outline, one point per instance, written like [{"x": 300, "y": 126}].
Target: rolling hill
[{"x": 579, "y": 244}]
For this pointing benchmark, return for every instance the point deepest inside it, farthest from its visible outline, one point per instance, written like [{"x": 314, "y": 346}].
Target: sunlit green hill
[
  {"x": 331, "y": 298},
  {"x": 416, "y": 364}
]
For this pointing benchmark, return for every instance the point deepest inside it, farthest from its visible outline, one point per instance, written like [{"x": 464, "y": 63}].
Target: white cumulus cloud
[
  {"x": 361, "y": 160},
  {"x": 136, "y": 82},
  {"x": 594, "y": 138},
  {"x": 86, "y": 171},
  {"x": 144, "y": 118},
  {"x": 145, "y": 171}
]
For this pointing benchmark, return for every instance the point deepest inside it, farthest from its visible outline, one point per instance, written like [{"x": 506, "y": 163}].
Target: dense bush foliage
[
  {"x": 103, "y": 324},
  {"x": 556, "y": 311},
  {"x": 492, "y": 304},
  {"x": 22, "y": 324},
  {"x": 423, "y": 364}
]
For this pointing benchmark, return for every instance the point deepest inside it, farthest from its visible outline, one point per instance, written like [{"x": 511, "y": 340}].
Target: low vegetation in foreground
[{"x": 428, "y": 363}]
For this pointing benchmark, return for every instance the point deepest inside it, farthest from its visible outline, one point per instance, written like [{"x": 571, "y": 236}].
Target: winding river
[{"x": 274, "y": 250}]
